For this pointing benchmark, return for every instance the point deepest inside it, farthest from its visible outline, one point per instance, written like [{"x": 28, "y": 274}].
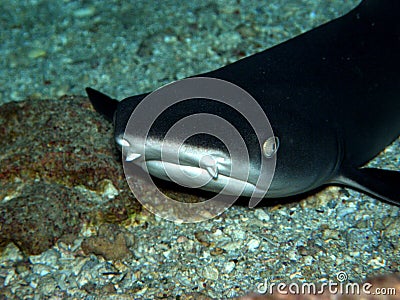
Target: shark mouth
[{"x": 189, "y": 166}]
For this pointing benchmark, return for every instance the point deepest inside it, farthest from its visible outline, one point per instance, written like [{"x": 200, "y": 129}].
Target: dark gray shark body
[{"x": 332, "y": 96}]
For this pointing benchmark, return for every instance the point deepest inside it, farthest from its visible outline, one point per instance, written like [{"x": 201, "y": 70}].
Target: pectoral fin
[
  {"x": 102, "y": 103},
  {"x": 383, "y": 184}
]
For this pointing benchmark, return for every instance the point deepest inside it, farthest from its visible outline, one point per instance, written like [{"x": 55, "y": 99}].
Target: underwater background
[{"x": 70, "y": 226}]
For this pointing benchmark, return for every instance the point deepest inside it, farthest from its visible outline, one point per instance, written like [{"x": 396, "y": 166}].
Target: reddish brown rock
[
  {"x": 112, "y": 242},
  {"x": 56, "y": 157}
]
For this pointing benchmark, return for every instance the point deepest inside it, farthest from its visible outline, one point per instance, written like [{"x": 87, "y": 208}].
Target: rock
[
  {"x": 112, "y": 242},
  {"x": 49, "y": 149},
  {"x": 38, "y": 217}
]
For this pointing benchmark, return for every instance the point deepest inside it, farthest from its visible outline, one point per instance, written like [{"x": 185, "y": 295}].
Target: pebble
[
  {"x": 33, "y": 284},
  {"x": 308, "y": 260},
  {"x": 84, "y": 12},
  {"x": 61, "y": 282},
  {"x": 107, "y": 189},
  {"x": 231, "y": 246},
  {"x": 47, "y": 285},
  {"x": 36, "y": 53},
  {"x": 210, "y": 272},
  {"x": 49, "y": 258},
  {"x": 253, "y": 244},
  {"x": 77, "y": 265},
  {"x": 262, "y": 215},
  {"x": 10, "y": 276},
  {"x": 330, "y": 234},
  {"x": 236, "y": 233},
  {"x": 229, "y": 266},
  {"x": 10, "y": 254},
  {"x": 182, "y": 239},
  {"x": 377, "y": 263},
  {"x": 41, "y": 270}
]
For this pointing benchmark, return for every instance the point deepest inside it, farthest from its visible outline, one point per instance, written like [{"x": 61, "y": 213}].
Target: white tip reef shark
[{"x": 332, "y": 96}]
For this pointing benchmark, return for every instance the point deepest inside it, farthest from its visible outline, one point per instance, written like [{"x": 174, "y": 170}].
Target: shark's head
[
  {"x": 195, "y": 142},
  {"x": 202, "y": 153}
]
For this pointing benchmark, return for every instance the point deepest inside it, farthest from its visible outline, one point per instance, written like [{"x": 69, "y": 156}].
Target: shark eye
[{"x": 270, "y": 146}]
